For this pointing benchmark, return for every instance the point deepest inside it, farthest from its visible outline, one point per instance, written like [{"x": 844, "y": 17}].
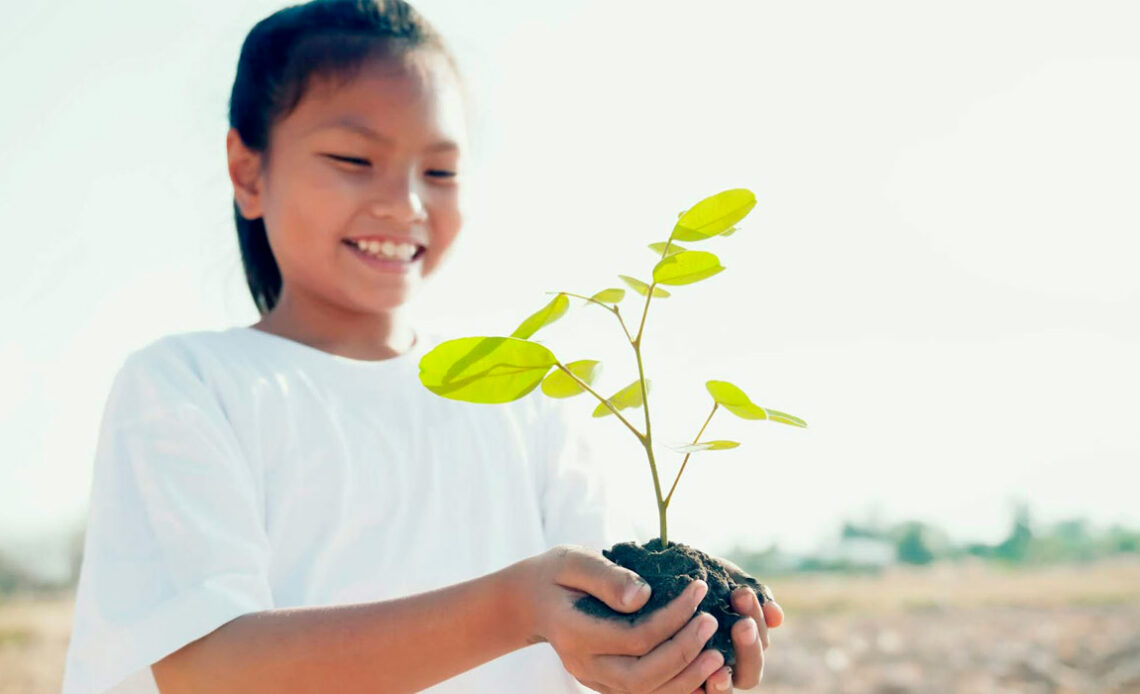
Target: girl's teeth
[{"x": 400, "y": 251}]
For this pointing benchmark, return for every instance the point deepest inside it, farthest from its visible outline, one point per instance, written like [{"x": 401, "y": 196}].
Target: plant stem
[
  {"x": 695, "y": 440},
  {"x": 662, "y": 505},
  {"x": 648, "y": 440},
  {"x": 663, "y": 527},
  {"x": 605, "y": 402},
  {"x": 648, "y": 443}
]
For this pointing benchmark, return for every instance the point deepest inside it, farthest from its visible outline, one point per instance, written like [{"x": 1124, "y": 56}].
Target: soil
[{"x": 668, "y": 572}]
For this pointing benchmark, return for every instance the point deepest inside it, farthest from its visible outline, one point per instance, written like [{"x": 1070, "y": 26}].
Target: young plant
[{"x": 502, "y": 369}]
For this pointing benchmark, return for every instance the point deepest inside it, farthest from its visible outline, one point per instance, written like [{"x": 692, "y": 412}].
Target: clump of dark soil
[{"x": 668, "y": 572}]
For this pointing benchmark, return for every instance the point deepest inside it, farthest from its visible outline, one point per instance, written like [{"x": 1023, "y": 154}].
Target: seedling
[{"x": 494, "y": 370}]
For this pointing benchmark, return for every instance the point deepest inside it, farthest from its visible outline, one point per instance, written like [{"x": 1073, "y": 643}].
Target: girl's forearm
[{"x": 401, "y": 645}]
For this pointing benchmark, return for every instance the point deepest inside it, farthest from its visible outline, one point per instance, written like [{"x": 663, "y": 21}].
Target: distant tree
[
  {"x": 1015, "y": 547},
  {"x": 13, "y": 577},
  {"x": 912, "y": 546},
  {"x": 1122, "y": 541},
  {"x": 853, "y": 530},
  {"x": 978, "y": 549}
]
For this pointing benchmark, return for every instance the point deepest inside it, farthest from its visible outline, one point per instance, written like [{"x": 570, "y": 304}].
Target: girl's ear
[{"x": 245, "y": 173}]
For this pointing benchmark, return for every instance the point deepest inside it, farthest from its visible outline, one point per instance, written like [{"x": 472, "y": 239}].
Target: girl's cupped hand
[
  {"x": 750, "y": 637},
  {"x": 664, "y": 653}
]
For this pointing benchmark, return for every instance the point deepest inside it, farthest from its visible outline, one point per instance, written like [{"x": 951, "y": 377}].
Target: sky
[{"x": 938, "y": 276}]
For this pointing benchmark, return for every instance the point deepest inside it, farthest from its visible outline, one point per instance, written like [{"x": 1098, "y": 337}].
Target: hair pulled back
[{"x": 321, "y": 38}]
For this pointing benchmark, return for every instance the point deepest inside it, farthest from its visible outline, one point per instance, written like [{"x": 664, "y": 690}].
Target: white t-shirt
[{"x": 238, "y": 471}]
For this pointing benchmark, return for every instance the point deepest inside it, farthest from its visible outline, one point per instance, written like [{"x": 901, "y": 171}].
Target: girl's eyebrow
[{"x": 347, "y": 123}]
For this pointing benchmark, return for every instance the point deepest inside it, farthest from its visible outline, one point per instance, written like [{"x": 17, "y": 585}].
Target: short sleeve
[
  {"x": 579, "y": 503},
  {"x": 175, "y": 543}
]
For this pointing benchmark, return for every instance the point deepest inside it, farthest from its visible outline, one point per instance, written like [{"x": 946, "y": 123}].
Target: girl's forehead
[
  {"x": 418, "y": 76},
  {"x": 412, "y": 92}
]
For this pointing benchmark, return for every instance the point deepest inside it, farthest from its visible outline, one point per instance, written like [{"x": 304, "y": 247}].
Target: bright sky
[{"x": 939, "y": 276}]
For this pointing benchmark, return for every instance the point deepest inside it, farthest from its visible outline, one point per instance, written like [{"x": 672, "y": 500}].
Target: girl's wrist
[{"x": 515, "y": 584}]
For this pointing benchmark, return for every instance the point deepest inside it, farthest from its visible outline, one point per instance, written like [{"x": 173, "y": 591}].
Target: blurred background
[{"x": 939, "y": 276}]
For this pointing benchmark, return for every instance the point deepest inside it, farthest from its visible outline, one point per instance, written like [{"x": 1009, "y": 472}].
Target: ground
[{"x": 965, "y": 628}]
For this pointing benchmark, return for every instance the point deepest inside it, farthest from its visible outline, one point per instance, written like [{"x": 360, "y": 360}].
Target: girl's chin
[{"x": 384, "y": 299}]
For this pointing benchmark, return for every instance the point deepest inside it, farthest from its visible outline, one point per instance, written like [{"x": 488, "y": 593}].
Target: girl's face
[{"x": 375, "y": 158}]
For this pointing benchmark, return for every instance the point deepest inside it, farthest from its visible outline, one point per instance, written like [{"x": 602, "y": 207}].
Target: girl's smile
[{"x": 387, "y": 255}]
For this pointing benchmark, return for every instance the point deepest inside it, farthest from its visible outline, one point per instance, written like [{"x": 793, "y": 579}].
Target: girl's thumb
[
  {"x": 621, "y": 589},
  {"x": 624, "y": 590}
]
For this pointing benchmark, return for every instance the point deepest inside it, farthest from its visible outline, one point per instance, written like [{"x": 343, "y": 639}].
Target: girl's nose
[
  {"x": 381, "y": 210},
  {"x": 400, "y": 201}
]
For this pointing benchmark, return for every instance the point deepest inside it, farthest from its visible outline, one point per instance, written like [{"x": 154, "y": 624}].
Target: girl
[{"x": 283, "y": 507}]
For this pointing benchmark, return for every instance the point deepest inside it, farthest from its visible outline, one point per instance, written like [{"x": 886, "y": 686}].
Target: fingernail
[
  {"x": 706, "y": 628},
  {"x": 724, "y": 684},
  {"x": 700, "y": 591},
  {"x": 633, "y": 590},
  {"x": 749, "y": 632}
]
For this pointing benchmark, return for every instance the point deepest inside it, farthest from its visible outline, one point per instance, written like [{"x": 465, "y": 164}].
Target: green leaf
[
  {"x": 544, "y": 316},
  {"x": 659, "y": 248},
  {"x": 718, "y": 445},
  {"x": 784, "y": 418},
  {"x": 729, "y": 231},
  {"x": 559, "y": 385},
  {"x": 630, "y": 396},
  {"x": 735, "y": 401},
  {"x": 686, "y": 267},
  {"x": 609, "y": 296},
  {"x": 485, "y": 369},
  {"x": 642, "y": 288},
  {"x": 714, "y": 215}
]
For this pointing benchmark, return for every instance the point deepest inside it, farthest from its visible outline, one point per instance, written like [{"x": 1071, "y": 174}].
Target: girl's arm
[
  {"x": 400, "y": 645},
  {"x": 407, "y": 644}
]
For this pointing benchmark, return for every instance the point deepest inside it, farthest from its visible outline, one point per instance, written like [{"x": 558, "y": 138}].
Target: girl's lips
[{"x": 390, "y": 265}]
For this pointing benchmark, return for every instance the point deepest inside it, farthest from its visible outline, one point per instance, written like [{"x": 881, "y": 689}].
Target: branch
[
  {"x": 649, "y": 294},
  {"x": 612, "y": 309},
  {"x": 618, "y": 314},
  {"x": 686, "y": 460},
  {"x": 605, "y": 402}
]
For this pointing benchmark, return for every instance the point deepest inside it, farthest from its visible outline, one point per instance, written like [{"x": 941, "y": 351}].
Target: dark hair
[{"x": 322, "y": 38}]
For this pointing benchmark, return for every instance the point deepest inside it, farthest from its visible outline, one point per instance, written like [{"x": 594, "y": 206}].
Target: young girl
[{"x": 283, "y": 507}]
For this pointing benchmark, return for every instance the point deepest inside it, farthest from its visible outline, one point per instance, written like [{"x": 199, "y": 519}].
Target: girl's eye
[
  {"x": 355, "y": 161},
  {"x": 349, "y": 160}
]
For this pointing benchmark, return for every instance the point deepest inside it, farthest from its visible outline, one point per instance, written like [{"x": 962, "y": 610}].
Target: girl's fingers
[
  {"x": 661, "y": 666},
  {"x": 639, "y": 639},
  {"x": 773, "y": 614},
  {"x": 745, "y": 602},
  {"x": 695, "y": 675},
  {"x": 748, "y": 639},
  {"x": 720, "y": 682}
]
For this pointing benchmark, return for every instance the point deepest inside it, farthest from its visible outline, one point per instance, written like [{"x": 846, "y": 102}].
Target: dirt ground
[{"x": 966, "y": 629}]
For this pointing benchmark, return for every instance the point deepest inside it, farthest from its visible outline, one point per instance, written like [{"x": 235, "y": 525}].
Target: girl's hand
[
  {"x": 749, "y": 637},
  {"x": 662, "y": 654}
]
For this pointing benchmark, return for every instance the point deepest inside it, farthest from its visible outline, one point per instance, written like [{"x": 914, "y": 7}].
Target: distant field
[{"x": 966, "y": 629}]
